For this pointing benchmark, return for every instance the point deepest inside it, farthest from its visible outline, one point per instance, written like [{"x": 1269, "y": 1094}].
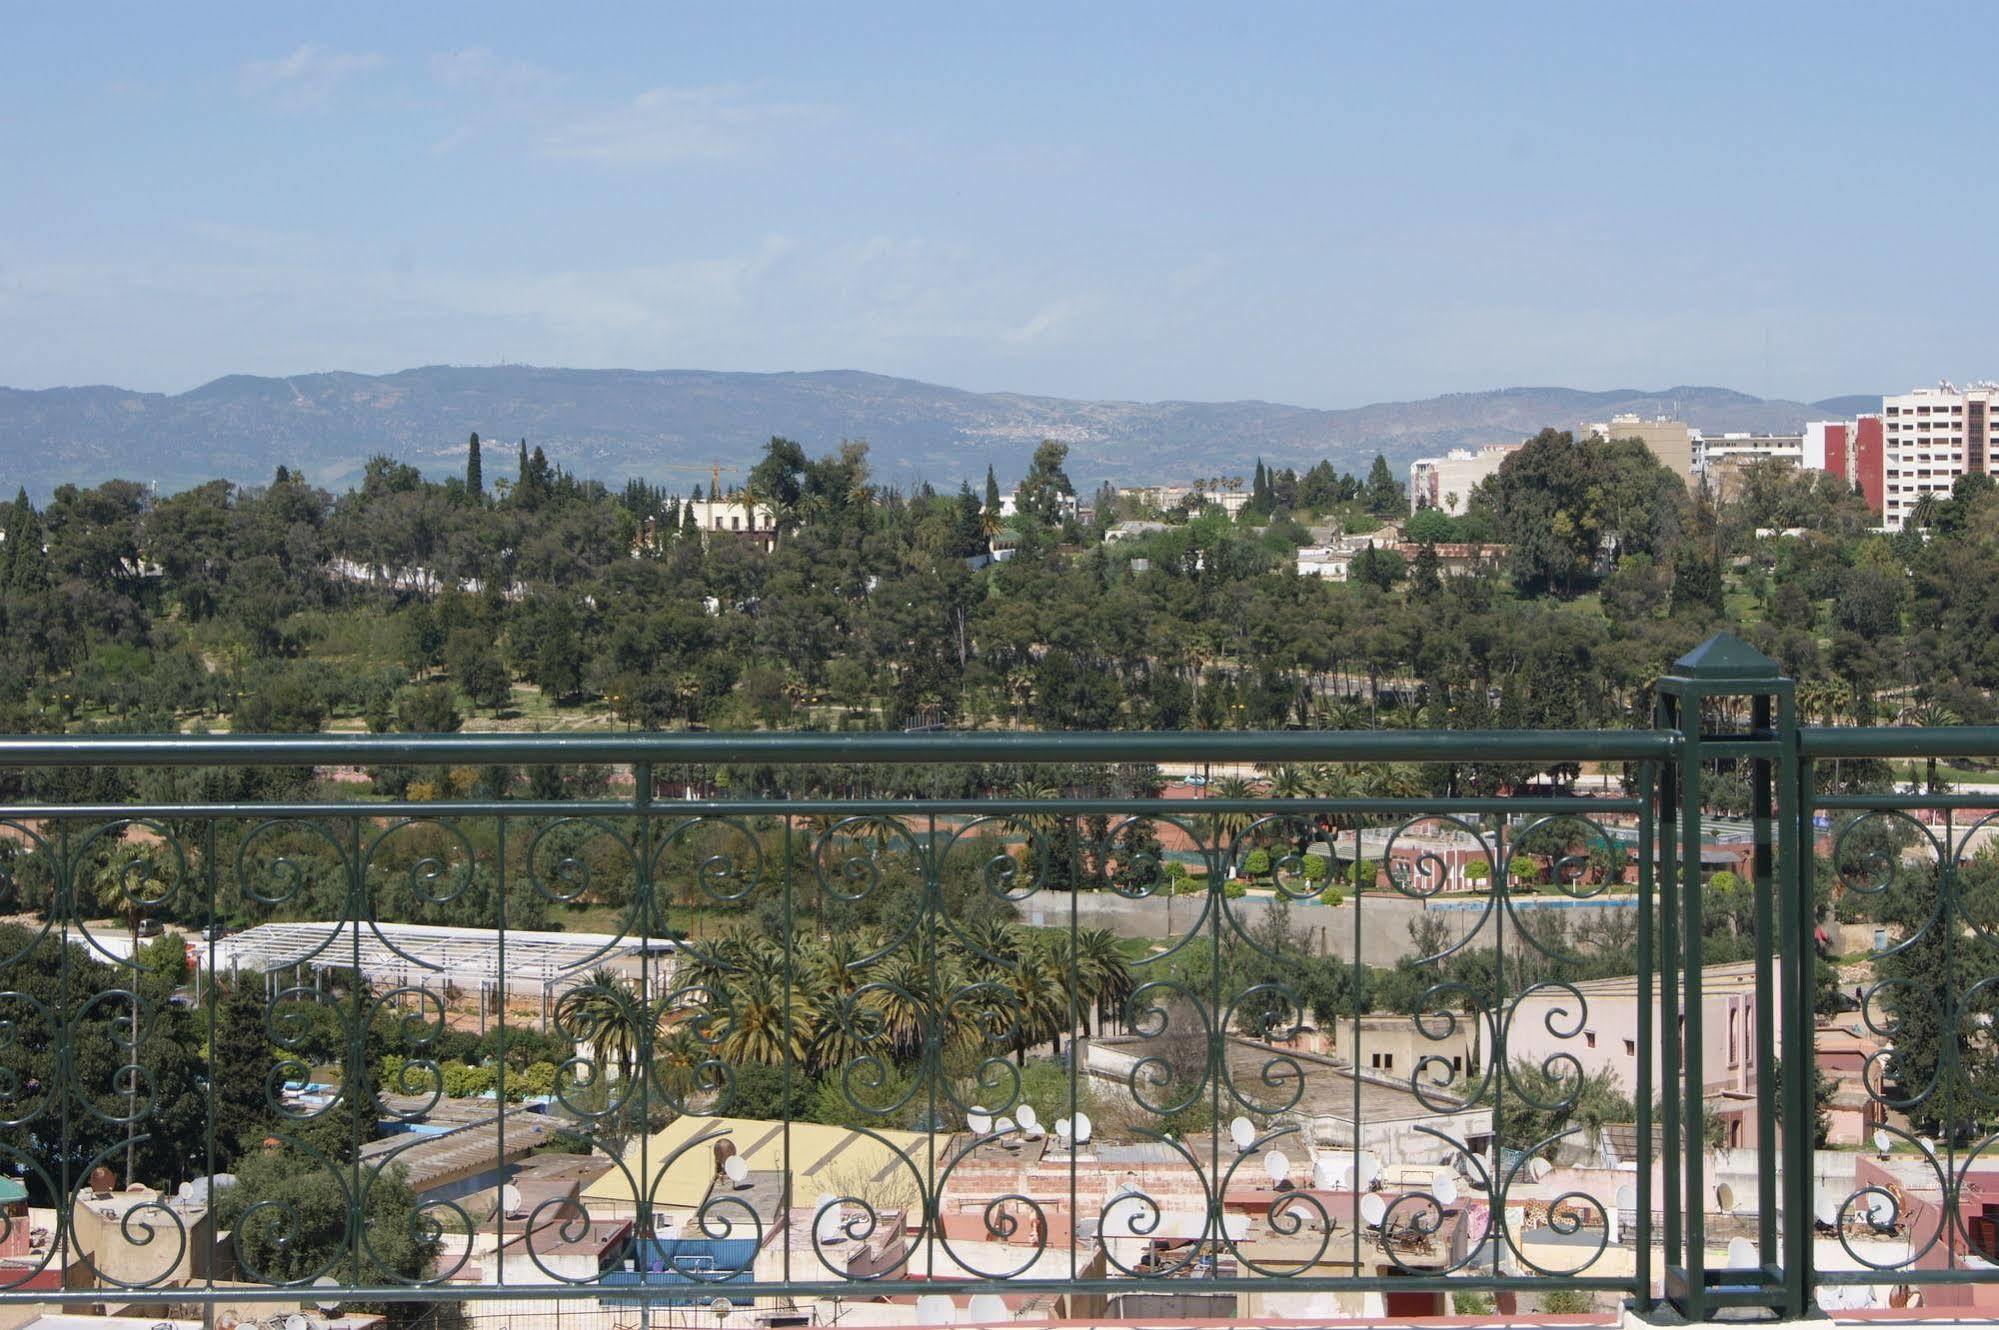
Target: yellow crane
[{"x": 715, "y": 472}]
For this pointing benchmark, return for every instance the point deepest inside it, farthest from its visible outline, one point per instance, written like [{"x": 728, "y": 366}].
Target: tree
[
  {"x": 430, "y": 709},
  {"x": 1425, "y": 575},
  {"x": 289, "y": 1213},
  {"x": 558, "y": 658},
  {"x": 475, "y": 483},
  {"x": 485, "y": 680},
  {"x": 1384, "y": 498},
  {"x": 992, "y": 491},
  {"x": 1697, "y": 584},
  {"x": 778, "y": 481},
  {"x": 1376, "y": 567},
  {"x": 1046, "y": 483},
  {"x": 1561, "y": 505}
]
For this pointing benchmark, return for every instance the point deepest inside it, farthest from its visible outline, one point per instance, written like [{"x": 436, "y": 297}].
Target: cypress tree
[
  {"x": 26, "y": 566},
  {"x": 475, "y": 481},
  {"x": 992, "y": 490}
]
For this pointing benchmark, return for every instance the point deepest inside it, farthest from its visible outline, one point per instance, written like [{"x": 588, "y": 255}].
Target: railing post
[{"x": 1724, "y": 667}]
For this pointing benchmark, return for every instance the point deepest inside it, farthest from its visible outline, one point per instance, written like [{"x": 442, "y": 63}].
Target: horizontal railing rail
[{"x": 870, "y": 748}]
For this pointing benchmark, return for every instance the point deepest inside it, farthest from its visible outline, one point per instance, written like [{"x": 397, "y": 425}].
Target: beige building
[
  {"x": 1671, "y": 441},
  {"x": 1446, "y": 482}
]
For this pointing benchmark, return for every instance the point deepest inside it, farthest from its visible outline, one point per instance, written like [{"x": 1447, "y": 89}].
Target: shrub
[
  {"x": 1332, "y": 896},
  {"x": 1235, "y": 891},
  {"x": 1256, "y": 864}
]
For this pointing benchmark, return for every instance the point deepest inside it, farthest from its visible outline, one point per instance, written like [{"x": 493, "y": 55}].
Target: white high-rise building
[{"x": 1930, "y": 437}]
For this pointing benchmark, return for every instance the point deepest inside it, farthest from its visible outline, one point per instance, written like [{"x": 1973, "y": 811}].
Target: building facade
[
  {"x": 1446, "y": 482},
  {"x": 1930, "y": 437},
  {"x": 1671, "y": 441}
]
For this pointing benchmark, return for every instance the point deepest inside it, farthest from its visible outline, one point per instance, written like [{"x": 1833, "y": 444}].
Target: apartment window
[
  {"x": 1631, "y": 1048},
  {"x": 1381, "y": 1061},
  {"x": 1733, "y": 1056},
  {"x": 1589, "y": 1038},
  {"x": 1458, "y": 1066}
]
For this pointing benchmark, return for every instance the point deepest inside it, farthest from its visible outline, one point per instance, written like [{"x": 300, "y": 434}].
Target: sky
[{"x": 1318, "y": 204}]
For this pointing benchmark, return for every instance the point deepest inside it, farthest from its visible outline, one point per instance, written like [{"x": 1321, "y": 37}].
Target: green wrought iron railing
[{"x": 1368, "y": 1045}]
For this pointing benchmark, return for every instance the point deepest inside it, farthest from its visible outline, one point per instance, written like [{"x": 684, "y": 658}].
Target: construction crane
[{"x": 715, "y": 471}]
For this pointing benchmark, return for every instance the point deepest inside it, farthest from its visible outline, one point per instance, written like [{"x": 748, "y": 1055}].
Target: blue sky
[{"x": 1318, "y": 204}]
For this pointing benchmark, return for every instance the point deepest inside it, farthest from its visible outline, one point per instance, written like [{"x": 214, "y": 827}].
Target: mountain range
[{"x": 670, "y": 426}]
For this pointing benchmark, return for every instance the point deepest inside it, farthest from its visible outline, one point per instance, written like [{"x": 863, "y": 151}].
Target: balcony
[{"x": 960, "y": 1028}]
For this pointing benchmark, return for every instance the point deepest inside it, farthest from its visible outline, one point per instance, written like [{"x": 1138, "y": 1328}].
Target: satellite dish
[
  {"x": 1538, "y": 1168},
  {"x": 721, "y": 1306},
  {"x": 226, "y": 1321},
  {"x": 1242, "y": 1131},
  {"x": 935, "y": 1309},
  {"x": 1724, "y": 1198},
  {"x": 1029, "y": 1119},
  {"x": 1082, "y": 1128},
  {"x": 1003, "y": 1125},
  {"x": 1741, "y": 1254},
  {"x": 1369, "y": 1170},
  {"x": 1373, "y": 1210},
  {"x": 1627, "y": 1197},
  {"x": 295, "y": 1322},
  {"x": 1326, "y": 1175},
  {"x": 1879, "y": 1210},
  {"x": 1062, "y": 1128},
  {"x": 738, "y": 1171},
  {"x": 979, "y": 1121},
  {"x": 1276, "y": 1165},
  {"x": 1827, "y": 1212},
  {"x": 1929, "y": 1146},
  {"x": 1446, "y": 1190},
  {"x": 327, "y": 1302},
  {"x": 1881, "y": 1140},
  {"x": 511, "y": 1204},
  {"x": 987, "y": 1309}
]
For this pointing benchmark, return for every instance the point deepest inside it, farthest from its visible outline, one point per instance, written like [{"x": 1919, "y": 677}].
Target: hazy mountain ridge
[{"x": 612, "y": 424}]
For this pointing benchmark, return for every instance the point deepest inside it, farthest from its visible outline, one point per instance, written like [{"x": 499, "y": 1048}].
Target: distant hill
[{"x": 613, "y": 424}]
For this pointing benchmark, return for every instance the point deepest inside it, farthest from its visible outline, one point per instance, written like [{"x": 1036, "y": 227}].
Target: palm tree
[
  {"x": 607, "y": 1013},
  {"x": 1923, "y": 512},
  {"x": 1035, "y": 1000},
  {"x": 1106, "y": 973},
  {"x": 1227, "y": 826},
  {"x": 766, "y": 1023},
  {"x": 1290, "y": 781}
]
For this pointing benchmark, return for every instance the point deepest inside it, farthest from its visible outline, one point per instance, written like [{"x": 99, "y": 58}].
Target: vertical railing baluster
[
  {"x": 1763, "y": 883},
  {"x": 500, "y": 1079},
  {"x": 1693, "y": 1081},
  {"x": 1797, "y": 888},
  {"x": 643, "y": 1225},
  {"x": 1665, "y": 815},
  {"x": 1648, "y": 775},
  {"x": 353, "y": 1076},
  {"x": 790, "y": 961},
  {"x": 1798, "y": 863}
]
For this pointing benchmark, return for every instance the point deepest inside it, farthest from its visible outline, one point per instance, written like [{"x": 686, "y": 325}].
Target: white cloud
[
  {"x": 480, "y": 68},
  {"x": 1047, "y": 321},
  {"x": 307, "y": 77},
  {"x": 670, "y": 126}
]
